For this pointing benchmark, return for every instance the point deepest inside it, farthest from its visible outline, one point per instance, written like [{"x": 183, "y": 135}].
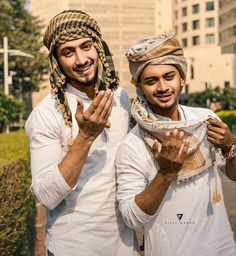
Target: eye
[
  {"x": 87, "y": 46},
  {"x": 67, "y": 52},
  {"x": 150, "y": 81},
  {"x": 169, "y": 76}
]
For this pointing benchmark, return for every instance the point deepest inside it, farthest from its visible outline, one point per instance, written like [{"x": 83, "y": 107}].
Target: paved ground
[
  {"x": 229, "y": 188},
  {"x": 40, "y": 231}
]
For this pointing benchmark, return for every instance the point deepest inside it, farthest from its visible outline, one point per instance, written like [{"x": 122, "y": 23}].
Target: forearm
[
  {"x": 150, "y": 199},
  {"x": 231, "y": 168},
  {"x": 73, "y": 162}
]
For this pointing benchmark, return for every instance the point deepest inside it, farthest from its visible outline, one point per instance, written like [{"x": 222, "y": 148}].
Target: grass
[{"x": 13, "y": 145}]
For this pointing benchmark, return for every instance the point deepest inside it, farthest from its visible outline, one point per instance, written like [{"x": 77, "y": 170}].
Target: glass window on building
[
  {"x": 184, "y": 42},
  {"x": 226, "y": 84},
  {"x": 210, "y": 22},
  {"x": 176, "y": 29},
  {"x": 210, "y": 38},
  {"x": 196, "y": 40},
  {"x": 210, "y": 6},
  {"x": 176, "y": 15},
  {"x": 196, "y": 24},
  {"x": 195, "y": 8},
  {"x": 191, "y": 71},
  {"x": 184, "y": 11},
  {"x": 184, "y": 26}
]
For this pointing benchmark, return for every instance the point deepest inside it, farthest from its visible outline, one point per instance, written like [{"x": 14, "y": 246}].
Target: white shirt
[
  {"x": 187, "y": 223},
  {"x": 84, "y": 220}
]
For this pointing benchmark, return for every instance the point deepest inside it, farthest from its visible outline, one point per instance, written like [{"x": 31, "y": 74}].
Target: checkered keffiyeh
[
  {"x": 161, "y": 49},
  {"x": 66, "y": 26}
]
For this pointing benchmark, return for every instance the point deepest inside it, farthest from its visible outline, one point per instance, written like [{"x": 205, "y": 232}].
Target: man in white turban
[{"x": 168, "y": 165}]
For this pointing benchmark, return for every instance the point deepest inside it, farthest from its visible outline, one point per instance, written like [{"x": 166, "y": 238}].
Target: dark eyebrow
[
  {"x": 169, "y": 73},
  {"x": 150, "y": 77},
  {"x": 90, "y": 40},
  {"x": 69, "y": 47}
]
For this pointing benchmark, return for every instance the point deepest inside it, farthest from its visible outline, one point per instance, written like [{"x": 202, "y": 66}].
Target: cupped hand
[
  {"x": 173, "y": 152},
  {"x": 92, "y": 121}
]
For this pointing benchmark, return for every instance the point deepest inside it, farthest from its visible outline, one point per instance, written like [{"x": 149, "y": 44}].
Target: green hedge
[
  {"x": 17, "y": 210},
  {"x": 229, "y": 117}
]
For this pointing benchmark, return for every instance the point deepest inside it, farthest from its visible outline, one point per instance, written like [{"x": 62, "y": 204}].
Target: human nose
[
  {"x": 162, "y": 86},
  {"x": 81, "y": 58}
]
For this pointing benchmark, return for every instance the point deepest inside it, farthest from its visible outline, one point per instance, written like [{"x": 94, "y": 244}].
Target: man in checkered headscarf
[
  {"x": 74, "y": 134},
  {"x": 67, "y": 26}
]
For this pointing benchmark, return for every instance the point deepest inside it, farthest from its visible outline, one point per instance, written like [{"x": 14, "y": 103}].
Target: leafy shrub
[
  {"x": 17, "y": 204},
  {"x": 9, "y": 110}
]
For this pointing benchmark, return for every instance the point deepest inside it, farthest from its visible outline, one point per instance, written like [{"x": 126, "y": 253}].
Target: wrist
[
  {"x": 166, "y": 176},
  {"x": 82, "y": 139},
  {"x": 85, "y": 136},
  {"x": 229, "y": 150}
]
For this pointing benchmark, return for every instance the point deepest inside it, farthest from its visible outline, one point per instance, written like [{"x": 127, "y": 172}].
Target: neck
[
  {"x": 89, "y": 90},
  {"x": 173, "y": 114}
]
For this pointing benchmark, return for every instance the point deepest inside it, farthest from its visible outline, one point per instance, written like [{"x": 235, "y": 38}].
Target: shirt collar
[{"x": 73, "y": 91}]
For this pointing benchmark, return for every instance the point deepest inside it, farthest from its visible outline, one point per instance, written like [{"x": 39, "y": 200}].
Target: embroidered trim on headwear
[{"x": 161, "y": 49}]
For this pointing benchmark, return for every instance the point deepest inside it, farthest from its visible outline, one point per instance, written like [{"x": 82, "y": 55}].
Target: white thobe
[
  {"x": 187, "y": 222},
  {"x": 84, "y": 220}
]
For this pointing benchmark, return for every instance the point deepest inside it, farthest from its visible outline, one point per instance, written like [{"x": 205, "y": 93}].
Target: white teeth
[{"x": 82, "y": 69}]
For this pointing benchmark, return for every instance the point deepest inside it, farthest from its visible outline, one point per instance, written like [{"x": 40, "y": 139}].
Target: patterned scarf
[
  {"x": 70, "y": 25},
  {"x": 152, "y": 127}
]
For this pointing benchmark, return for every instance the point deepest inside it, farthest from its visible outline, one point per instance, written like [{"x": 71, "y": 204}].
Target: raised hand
[
  {"x": 93, "y": 120},
  {"x": 219, "y": 133},
  {"x": 172, "y": 154}
]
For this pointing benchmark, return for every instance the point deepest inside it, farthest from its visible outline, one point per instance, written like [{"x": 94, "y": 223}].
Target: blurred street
[{"x": 229, "y": 188}]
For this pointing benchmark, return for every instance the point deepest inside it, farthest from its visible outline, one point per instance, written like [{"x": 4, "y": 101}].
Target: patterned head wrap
[
  {"x": 70, "y": 25},
  {"x": 162, "y": 49}
]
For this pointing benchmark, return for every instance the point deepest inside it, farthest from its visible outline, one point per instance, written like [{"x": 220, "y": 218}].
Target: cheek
[
  {"x": 148, "y": 92},
  {"x": 94, "y": 55},
  {"x": 66, "y": 63}
]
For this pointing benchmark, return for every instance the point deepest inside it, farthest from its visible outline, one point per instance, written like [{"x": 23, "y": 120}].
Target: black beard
[{"x": 88, "y": 82}]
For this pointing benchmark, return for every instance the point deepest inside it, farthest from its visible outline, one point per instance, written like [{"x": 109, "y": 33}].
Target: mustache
[
  {"x": 161, "y": 93},
  {"x": 79, "y": 66}
]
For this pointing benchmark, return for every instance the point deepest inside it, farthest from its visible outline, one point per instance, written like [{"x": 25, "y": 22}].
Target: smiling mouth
[
  {"x": 83, "y": 68},
  {"x": 167, "y": 95}
]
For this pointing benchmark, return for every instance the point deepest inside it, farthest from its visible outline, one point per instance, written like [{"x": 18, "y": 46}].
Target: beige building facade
[
  {"x": 196, "y": 25},
  {"x": 227, "y": 26},
  {"x": 124, "y": 22}
]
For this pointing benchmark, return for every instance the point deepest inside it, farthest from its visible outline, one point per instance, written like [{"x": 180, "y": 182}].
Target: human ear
[{"x": 182, "y": 82}]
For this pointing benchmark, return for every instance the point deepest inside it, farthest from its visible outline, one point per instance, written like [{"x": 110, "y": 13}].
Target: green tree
[
  {"x": 225, "y": 97},
  {"x": 9, "y": 111},
  {"x": 229, "y": 98},
  {"x": 24, "y": 33}
]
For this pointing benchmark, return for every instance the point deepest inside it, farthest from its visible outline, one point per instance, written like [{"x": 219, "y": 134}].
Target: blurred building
[
  {"x": 124, "y": 22},
  {"x": 196, "y": 24},
  {"x": 227, "y": 26}
]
